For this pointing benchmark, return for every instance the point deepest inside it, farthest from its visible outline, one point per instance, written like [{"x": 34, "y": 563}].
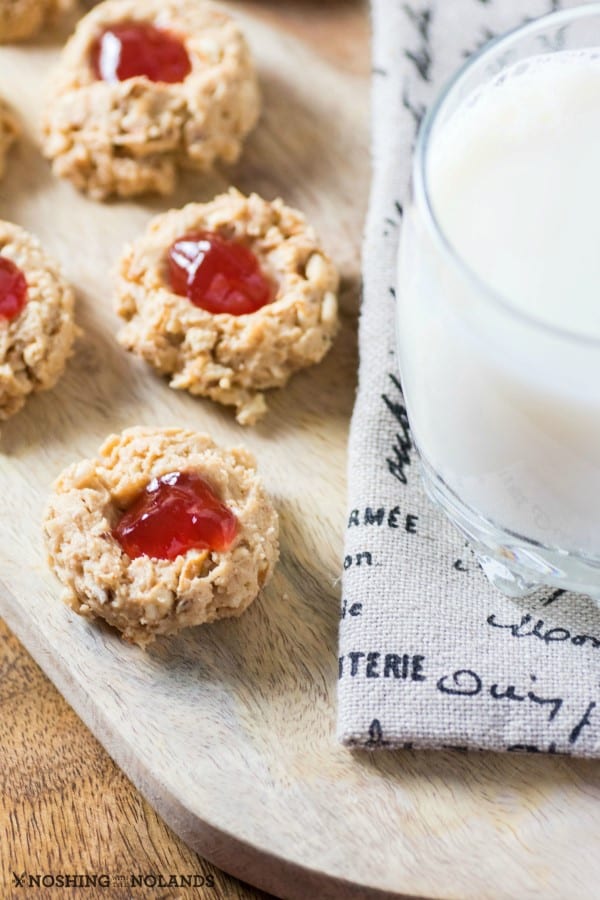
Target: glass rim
[{"x": 421, "y": 191}]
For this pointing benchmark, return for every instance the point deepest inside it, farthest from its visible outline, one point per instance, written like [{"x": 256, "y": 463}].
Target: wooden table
[{"x": 64, "y": 805}]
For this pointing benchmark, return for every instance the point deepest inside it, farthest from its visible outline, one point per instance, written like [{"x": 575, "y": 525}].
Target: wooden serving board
[{"x": 229, "y": 730}]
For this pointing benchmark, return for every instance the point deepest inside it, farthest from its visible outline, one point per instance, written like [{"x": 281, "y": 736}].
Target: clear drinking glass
[{"x": 504, "y": 408}]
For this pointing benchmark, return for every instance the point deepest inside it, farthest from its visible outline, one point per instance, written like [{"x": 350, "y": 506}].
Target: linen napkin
[{"x": 430, "y": 655}]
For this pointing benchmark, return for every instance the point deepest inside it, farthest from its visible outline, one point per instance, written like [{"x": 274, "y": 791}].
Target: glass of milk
[{"x": 499, "y": 304}]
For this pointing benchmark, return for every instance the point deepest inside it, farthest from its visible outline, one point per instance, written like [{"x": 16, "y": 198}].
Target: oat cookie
[
  {"x": 36, "y": 342},
  {"x": 127, "y": 137},
  {"x": 9, "y": 132},
  {"x": 146, "y": 597},
  {"x": 231, "y": 358},
  {"x": 20, "y": 19}
]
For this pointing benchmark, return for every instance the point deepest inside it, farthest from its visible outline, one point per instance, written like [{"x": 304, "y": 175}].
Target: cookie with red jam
[
  {"x": 228, "y": 299},
  {"x": 145, "y": 88},
  {"x": 37, "y": 326},
  {"x": 160, "y": 531}
]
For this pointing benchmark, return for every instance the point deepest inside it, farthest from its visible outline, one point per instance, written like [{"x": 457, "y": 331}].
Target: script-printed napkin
[{"x": 430, "y": 655}]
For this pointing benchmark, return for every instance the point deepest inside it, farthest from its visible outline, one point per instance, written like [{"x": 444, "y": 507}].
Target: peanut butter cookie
[
  {"x": 9, "y": 132},
  {"x": 143, "y": 88},
  {"x": 37, "y": 328},
  {"x": 265, "y": 307},
  {"x": 161, "y": 531}
]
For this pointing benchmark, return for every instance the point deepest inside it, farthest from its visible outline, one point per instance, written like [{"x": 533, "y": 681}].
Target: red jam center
[
  {"x": 174, "y": 514},
  {"x": 138, "y": 48},
  {"x": 13, "y": 289},
  {"x": 217, "y": 274}
]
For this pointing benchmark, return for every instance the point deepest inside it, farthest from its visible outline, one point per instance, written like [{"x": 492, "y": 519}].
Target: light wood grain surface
[
  {"x": 64, "y": 804},
  {"x": 66, "y": 807}
]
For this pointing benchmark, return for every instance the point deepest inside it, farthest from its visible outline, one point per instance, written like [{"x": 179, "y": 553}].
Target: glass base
[{"x": 514, "y": 565}]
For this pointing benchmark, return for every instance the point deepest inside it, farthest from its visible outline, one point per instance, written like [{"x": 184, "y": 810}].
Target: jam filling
[
  {"x": 130, "y": 49},
  {"x": 13, "y": 289},
  {"x": 219, "y": 275},
  {"x": 173, "y": 514}
]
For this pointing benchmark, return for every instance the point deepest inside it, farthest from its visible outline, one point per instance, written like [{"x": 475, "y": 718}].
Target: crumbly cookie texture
[
  {"x": 129, "y": 137},
  {"x": 147, "y": 597},
  {"x": 231, "y": 359},
  {"x": 10, "y": 130},
  {"x": 35, "y": 345},
  {"x": 20, "y": 19}
]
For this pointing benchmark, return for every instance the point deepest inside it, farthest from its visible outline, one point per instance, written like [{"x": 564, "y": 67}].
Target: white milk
[{"x": 504, "y": 405}]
